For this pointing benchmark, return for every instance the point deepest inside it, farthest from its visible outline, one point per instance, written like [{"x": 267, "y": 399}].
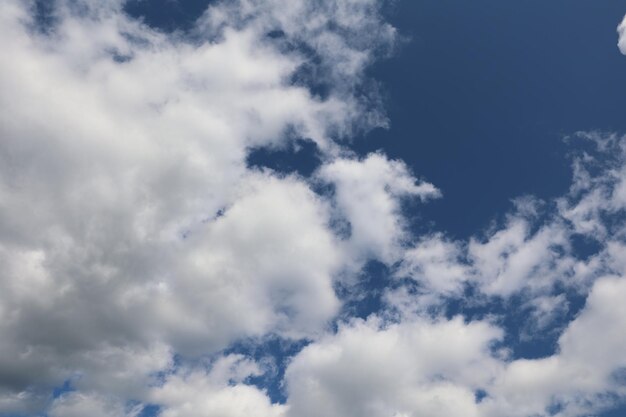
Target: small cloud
[{"x": 621, "y": 29}]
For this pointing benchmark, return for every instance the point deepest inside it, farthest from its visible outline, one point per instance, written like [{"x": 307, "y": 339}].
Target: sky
[{"x": 299, "y": 209}]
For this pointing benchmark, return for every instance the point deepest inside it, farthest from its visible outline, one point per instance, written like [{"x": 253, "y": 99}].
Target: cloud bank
[{"x": 138, "y": 247}]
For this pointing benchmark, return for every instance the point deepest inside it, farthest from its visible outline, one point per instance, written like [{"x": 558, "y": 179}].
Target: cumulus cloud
[
  {"x": 436, "y": 367},
  {"x": 418, "y": 367},
  {"x": 132, "y": 228},
  {"x": 531, "y": 258},
  {"x": 138, "y": 248},
  {"x": 218, "y": 392},
  {"x": 368, "y": 194},
  {"x": 579, "y": 379},
  {"x": 78, "y": 404},
  {"x": 533, "y": 249}
]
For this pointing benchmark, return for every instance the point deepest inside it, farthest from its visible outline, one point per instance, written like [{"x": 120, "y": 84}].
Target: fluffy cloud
[
  {"x": 137, "y": 246},
  {"x": 414, "y": 368},
  {"x": 525, "y": 257},
  {"x": 533, "y": 250},
  {"x": 621, "y": 30},
  {"x": 265, "y": 266},
  {"x": 132, "y": 228},
  {"x": 436, "y": 367},
  {"x": 78, "y": 405},
  {"x": 436, "y": 263},
  {"x": 514, "y": 258},
  {"x": 218, "y": 392},
  {"x": 581, "y": 377},
  {"x": 368, "y": 194}
]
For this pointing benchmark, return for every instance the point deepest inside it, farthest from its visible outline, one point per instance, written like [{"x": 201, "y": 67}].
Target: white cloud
[
  {"x": 132, "y": 232},
  {"x": 533, "y": 250},
  {"x": 520, "y": 257},
  {"x": 621, "y": 30},
  {"x": 418, "y": 367},
  {"x": 514, "y": 258},
  {"x": 436, "y": 263},
  {"x": 598, "y": 190},
  {"x": 579, "y": 377},
  {"x": 266, "y": 265},
  {"x": 75, "y": 404},
  {"x": 219, "y": 392},
  {"x": 368, "y": 194},
  {"x": 432, "y": 367},
  {"x": 131, "y": 228}
]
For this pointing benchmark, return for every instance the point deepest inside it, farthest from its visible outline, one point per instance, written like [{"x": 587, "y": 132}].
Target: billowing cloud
[
  {"x": 368, "y": 194},
  {"x": 418, "y": 367},
  {"x": 437, "y": 264},
  {"x": 132, "y": 229},
  {"x": 452, "y": 368},
  {"x": 583, "y": 376},
  {"x": 218, "y": 392},
  {"x": 139, "y": 250}
]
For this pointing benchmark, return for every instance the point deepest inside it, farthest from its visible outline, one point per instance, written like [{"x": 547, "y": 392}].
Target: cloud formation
[
  {"x": 138, "y": 248},
  {"x": 132, "y": 228}
]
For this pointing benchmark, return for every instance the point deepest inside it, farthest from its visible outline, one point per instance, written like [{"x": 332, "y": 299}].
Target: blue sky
[
  {"x": 489, "y": 87},
  {"x": 334, "y": 208}
]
